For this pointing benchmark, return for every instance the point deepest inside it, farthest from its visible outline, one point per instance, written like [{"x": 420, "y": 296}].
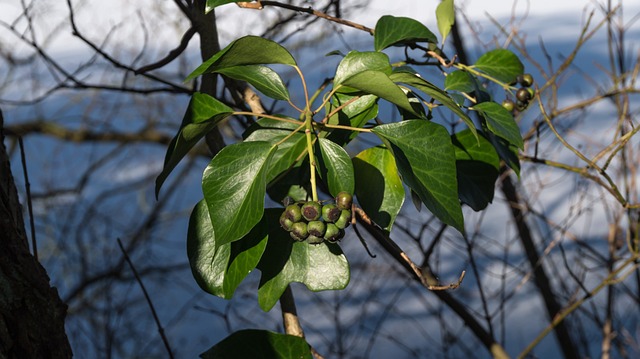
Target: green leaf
[
  {"x": 391, "y": 30},
  {"x": 274, "y": 131},
  {"x": 426, "y": 161},
  {"x": 220, "y": 269},
  {"x": 378, "y": 186},
  {"x": 500, "y": 122},
  {"x": 335, "y": 167},
  {"x": 445, "y": 14},
  {"x": 261, "y": 77},
  {"x": 356, "y": 62},
  {"x": 478, "y": 167},
  {"x": 234, "y": 186},
  {"x": 507, "y": 152},
  {"x": 248, "y": 50},
  {"x": 379, "y": 84},
  {"x": 435, "y": 92},
  {"x": 319, "y": 267},
  {"x": 212, "y": 4},
  {"x": 459, "y": 81},
  {"x": 355, "y": 114},
  {"x": 259, "y": 344},
  {"x": 500, "y": 64},
  {"x": 203, "y": 114}
]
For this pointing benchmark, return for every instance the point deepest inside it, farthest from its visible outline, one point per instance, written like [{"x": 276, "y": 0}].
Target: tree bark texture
[{"x": 31, "y": 312}]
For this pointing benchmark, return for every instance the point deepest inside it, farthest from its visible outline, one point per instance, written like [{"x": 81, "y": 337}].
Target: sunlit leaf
[
  {"x": 259, "y": 344},
  {"x": 500, "y": 122},
  {"x": 203, "y": 114},
  {"x": 392, "y": 30},
  {"x": 378, "y": 186},
  {"x": 356, "y": 62},
  {"x": 379, "y": 84},
  {"x": 426, "y": 161},
  {"x": 500, "y": 64},
  {"x": 335, "y": 167},
  {"x": 261, "y": 77},
  {"x": 445, "y": 15},
  {"x": 459, "y": 81},
  {"x": 234, "y": 186}
]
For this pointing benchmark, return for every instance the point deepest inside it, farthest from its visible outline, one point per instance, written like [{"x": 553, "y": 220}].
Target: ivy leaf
[
  {"x": 220, "y": 269},
  {"x": 378, "y": 186},
  {"x": 274, "y": 131},
  {"x": 319, "y": 267},
  {"x": 500, "y": 122},
  {"x": 379, "y": 84},
  {"x": 335, "y": 167},
  {"x": 356, "y": 62},
  {"x": 356, "y": 114},
  {"x": 259, "y": 344},
  {"x": 500, "y": 64},
  {"x": 263, "y": 78},
  {"x": 426, "y": 161},
  {"x": 435, "y": 92},
  {"x": 478, "y": 167},
  {"x": 203, "y": 114},
  {"x": 248, "y": 50},
  {"x": 445, "y": 15},
  {"x": 212, "y": 4},
  {"x": 507, "y": 152},
  {"x": 391, "y": 30},
  {"x": 459, "y": 81},
  {"x": 234, "y": 186}
]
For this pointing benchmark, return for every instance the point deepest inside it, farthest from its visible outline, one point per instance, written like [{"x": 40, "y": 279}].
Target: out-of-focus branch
[{"x": 172, "y": 55}]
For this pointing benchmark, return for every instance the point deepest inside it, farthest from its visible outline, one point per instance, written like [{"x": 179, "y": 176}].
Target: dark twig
[
  {"x": 146, "y": 296},
  {"x": 173, "y": 54},
  {"x": 27, "y": 186}
]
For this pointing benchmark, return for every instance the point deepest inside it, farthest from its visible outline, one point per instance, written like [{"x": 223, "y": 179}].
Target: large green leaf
[
  {"x": 500, "y": 64},
  {"x": 356, "y": 62},
  {"x": 263, "y": 78},
  {"x": 426, "y": 161},
  {"x": 203, "y": 114},
  {"x": 391, "y": 30},
  {"x": 478, "y": 167},
  {"x": 234, "y": 186},
  {"x": 459, "y": 81},
  {"x": 379, "y": 84},
  {"x": 500, "y": 122},
  {"x": 220, "y": 269},
  {"x": 274, "y": 131},
  {"x": 335, "y": 167},
  {"x": 445, "y": 15},
  {"x": 248, "y": 50},
  {"x": 355, "y": 114},
  {"x": 378, "y": 186},
  {"x": 319, "y": 267},
  {"x": 434, "y": 91},
  {"x": 259, "y": 344}
]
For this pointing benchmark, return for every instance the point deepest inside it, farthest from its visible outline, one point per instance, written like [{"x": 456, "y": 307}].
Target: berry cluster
[
  {"x": 317, "y": 223},
  {"x": 524, "y": 95}
]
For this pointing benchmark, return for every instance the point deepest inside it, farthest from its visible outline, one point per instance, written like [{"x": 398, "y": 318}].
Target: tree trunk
[{"x": 31, "y": 312}]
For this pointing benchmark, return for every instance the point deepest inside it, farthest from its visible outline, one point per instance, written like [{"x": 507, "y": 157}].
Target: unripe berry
[
  {"x": 508, "y": 105},
  {"x": 314, "y": 239},
  {"x": 344, "y": 220},
  {"x": 525, "y": 80},
  {"x": 523, "y": 95},
  {"x": 285, "y": 222},
  {"x": 317, "y": 228},
  {"x": 299, "y": 231},
  {"x": 293, "y": 213},
  {"x": 344, "y": 200},
  {"x": 330, "y": 213},
  {"x": 332, "y": 233},
  {"x": 311, "y": 211}
]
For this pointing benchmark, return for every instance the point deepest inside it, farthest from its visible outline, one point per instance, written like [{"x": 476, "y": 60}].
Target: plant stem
[{"x": 312, "y": 159}]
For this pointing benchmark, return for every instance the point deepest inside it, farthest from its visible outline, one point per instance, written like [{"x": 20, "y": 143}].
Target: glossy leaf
[
  {"x": 356, "y": 114},
  {"x": 319, "y": 267},
  {"x": 379, "y": 84},
  {"x": 234, "y": 186},
  {"x": 507, "y": 152},
  {"x": 220, "y": 269},
  {"x": 203, "y": 114},
  {"x": 248, "y": 50},
  {"x": 478, "y": 166},
  {"x": 500, "y": 64},
  {"x": 435, "y": 92},
  {"x": 274, "y": 132},
  {"x": 335, "y": 167},
  {"x": 259, "y": 344},
  {"x": 378, "y": 186},
  {"x": 391, "y": 30},
  {"x": 356, "y": 62},
  {"x": 445, "y": 15},
  {"x": 426, "y": 161},
  {"x": 500, "y": 122},
  {"x": 212, "y": 4},
  {"x": 459, "y": 81},
  {"x": 261, "y": 77}
]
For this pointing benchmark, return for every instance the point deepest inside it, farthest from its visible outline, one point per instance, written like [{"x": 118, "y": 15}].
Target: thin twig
[{"x": 27, "y": 186}]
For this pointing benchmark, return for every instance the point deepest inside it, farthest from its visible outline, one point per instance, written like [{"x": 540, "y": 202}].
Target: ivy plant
[{"x": 301, "y": 161}]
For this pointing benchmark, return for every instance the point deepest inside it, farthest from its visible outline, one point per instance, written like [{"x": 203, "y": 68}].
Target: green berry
[
  {"x": 332, "y": 233},
  {"x": 330, "y": 213},
  {"x": 344, "y": 200},
  {"x": 293, "y": 213},
  {"x": 532, "y": 92},
  {"x": 525, "y": 80},
  {"x": 311, "y": 211},
  {"x": 523, "y": 95},
  {"x": 299, "y": 231},
  {"x": 317, "y": 228},
  {"x": 344, "y": 220},
  {"x": 285, "y": 222},
  {"x": 314, "y": 239},
  {"x": 508, "y": 105}
]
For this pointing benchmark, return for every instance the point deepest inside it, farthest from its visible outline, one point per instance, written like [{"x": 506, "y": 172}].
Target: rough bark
[{"x": 31, "y": 312}]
